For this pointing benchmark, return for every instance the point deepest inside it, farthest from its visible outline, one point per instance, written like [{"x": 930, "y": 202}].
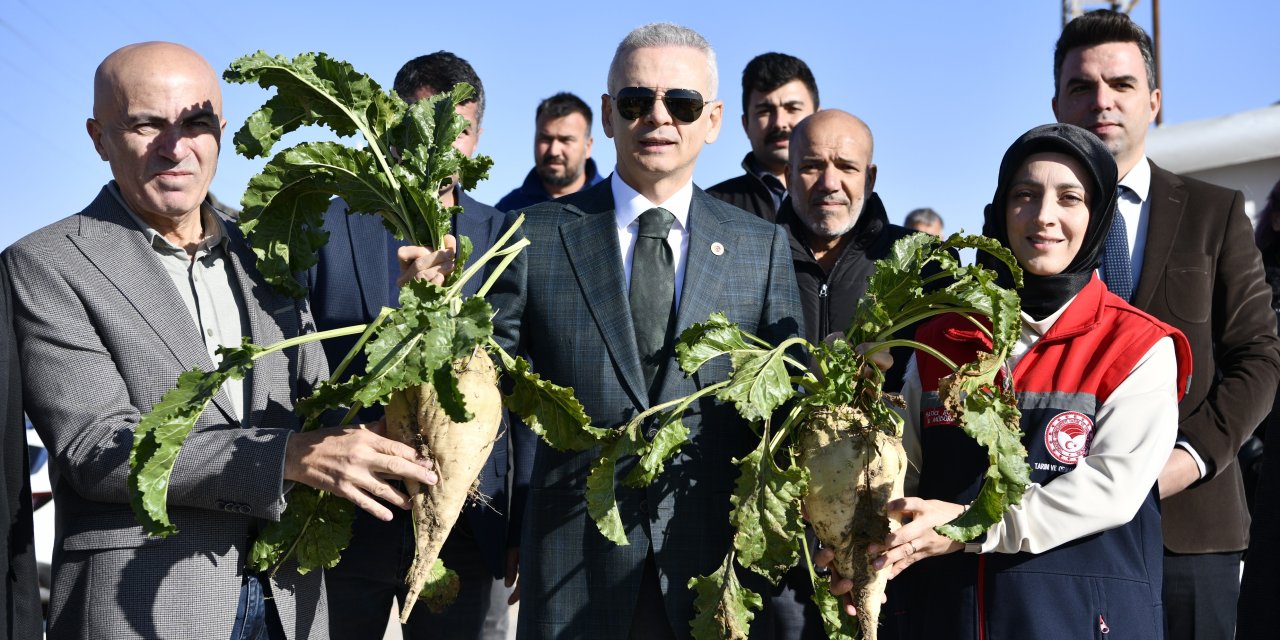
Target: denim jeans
[{"x": 253, "y": 620}]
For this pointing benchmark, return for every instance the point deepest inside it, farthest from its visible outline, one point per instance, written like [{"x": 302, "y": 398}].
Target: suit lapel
[
  {"x": 591, "y": 242},
  {"x": 369, "y": 255},
  {"x": 112, "y": 242},
  {"x": 705, "y": 272},
  {"x": 260, "y": 303},
  {"x": 1168, "y": 198}
]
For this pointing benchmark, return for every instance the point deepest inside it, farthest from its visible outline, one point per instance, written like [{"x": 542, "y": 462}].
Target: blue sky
[{"x": 945, "y": 86}]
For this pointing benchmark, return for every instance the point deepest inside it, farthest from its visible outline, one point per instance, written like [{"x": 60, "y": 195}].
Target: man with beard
[
  {"x": 562, "y": 161},
  {"x": 837, "y": 224},
  {"x": 778, "y": 91},
  {"x": 837, "y": 228}
]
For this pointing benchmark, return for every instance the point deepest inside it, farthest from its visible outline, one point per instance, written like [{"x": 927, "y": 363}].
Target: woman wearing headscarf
[{"x": 1097, "y": 383}]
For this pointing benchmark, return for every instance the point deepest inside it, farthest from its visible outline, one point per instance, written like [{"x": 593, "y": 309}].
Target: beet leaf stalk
[{"x": 829, "y": 438}]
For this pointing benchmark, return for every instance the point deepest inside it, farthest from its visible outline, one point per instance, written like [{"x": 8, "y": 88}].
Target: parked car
[{"x": 42, "y": 511}]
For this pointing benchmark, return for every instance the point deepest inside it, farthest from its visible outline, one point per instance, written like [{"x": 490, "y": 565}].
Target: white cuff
[{"x": 1186, "y": 446}]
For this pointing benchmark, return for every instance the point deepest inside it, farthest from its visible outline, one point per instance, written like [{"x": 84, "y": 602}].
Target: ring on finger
[{"x": 912, "y": 546}]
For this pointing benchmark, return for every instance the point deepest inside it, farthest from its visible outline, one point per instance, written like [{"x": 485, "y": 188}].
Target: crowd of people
[{"x": 1148, "y": 354}]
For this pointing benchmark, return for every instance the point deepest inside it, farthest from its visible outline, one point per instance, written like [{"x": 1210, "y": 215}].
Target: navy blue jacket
[
  {"x": 532, "y": 192},
  {"x": 351, "y": 284}
]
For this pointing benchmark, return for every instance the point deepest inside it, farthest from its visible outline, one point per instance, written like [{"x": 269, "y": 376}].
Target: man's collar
[
  {"x": 210, "y": 223},
  {"x": 1139, "y": 179},
  {"x": 628, "y": 204}
]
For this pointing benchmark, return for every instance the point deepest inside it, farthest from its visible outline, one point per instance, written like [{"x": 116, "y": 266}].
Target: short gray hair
[{"x": 665, "y": 34}]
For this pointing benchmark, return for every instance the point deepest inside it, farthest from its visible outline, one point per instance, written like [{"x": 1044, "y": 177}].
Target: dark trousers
[
  {"x": 650, "y": 620},
  {"x": 789, "y": 609},
  {"x": 256, "y": 615},
  {"x": 371, "y": 574},
  {"x": 1200, "y": 592}
]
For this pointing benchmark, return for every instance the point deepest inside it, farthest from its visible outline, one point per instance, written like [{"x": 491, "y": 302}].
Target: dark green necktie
[{"x": 653, "y": 292}]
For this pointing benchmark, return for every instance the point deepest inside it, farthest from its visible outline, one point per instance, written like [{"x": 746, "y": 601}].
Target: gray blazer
[
  {"x": 103, "y": 335},
  {"x": 564, "y": 304}
]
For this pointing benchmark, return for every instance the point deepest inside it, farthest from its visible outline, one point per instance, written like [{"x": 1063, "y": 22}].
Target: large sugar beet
[
  {"x": 854, "y": 470},
  {"x": 459, "y": 451}
]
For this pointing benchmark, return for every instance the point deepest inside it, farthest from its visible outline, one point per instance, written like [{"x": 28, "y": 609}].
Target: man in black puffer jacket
[{"x": 837, "y": 224}]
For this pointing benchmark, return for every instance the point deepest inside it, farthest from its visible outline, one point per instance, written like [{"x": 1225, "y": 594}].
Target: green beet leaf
[
  {"x": 284, "y": 205},
  {"x": 706, "y": 340},
  {"x": 158, "y": 438},
  {"x": 760, "y": 382},
  {"x": 326, "y": 521},
  {"x": 441, "y": 588},
  {"x": 766, "y": 506},
  {"x": 408, "y": 156},
  {"x": 651, "y": 457},
  {"x": 838, "y": 625},
  {"x": 312, "y": 88},
  {"x": 550, "y": 410},
  {"x": 723, "y": 607},
  {"x": 602, "y": 502},
  {"x": 989, "y": 415},
  {"x": 449, "y": 395}
]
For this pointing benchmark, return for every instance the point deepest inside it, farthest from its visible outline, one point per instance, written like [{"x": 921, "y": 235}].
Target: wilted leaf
[
  {"x": 989, "y": 414},
  {"x": 652, "y": 456},
  {"x": 723, "y": 607},
  {"x": 838, "y": 625}
]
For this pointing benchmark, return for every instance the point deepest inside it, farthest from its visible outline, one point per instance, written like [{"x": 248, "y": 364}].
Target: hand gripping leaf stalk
[
  {"x": 428, "y": 359},
  {"x": 839, "y": 449}
]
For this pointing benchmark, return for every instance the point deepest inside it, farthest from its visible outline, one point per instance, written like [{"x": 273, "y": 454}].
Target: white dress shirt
[
  {"x": 629, "y": 204},
  {"x": 1134, "y": 206}
]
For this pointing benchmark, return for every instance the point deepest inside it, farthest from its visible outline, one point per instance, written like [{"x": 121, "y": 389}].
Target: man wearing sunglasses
[
  {"x": 778, "y": 91},
  {"x": 613, "y": 275}
]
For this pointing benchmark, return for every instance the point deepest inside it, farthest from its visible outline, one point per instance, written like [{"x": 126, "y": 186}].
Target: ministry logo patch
[{"x": 1068, "y": 436}]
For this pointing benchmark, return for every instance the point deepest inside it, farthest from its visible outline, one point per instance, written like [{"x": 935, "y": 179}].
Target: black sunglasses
[{"x": 684, "y": 105}]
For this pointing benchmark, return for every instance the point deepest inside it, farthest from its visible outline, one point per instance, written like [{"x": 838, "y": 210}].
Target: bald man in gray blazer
[{"x": 111, "y": 305}]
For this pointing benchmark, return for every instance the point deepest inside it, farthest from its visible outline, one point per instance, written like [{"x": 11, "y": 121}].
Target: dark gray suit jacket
[
  {"x": 564, "y": 304},
  {"x": 103, "y": 335},
  {"x": 1202, "y": 273}
]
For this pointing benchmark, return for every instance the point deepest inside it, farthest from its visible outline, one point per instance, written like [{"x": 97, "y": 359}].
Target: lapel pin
[{"x": 717, "y": 248}]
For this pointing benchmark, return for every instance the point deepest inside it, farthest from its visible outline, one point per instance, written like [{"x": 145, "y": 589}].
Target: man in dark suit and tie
[
  {"x": 1181, "y": 250},
  {"x": 355, "y": 277},
  {"x": 614, "y": 274}
]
